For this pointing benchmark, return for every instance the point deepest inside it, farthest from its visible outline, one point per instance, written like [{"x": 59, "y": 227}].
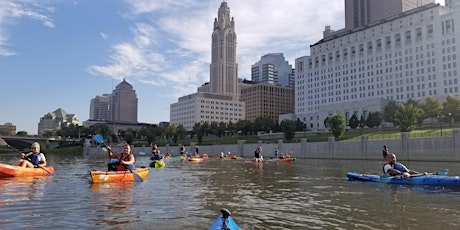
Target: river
[{"x": 305, "y": 194}]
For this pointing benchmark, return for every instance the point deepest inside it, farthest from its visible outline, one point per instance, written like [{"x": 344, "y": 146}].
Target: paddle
[
  {"x": 441, "y": 172},
  {"x": 100, "y": 140},
  {"x": 3, "y": 143}
]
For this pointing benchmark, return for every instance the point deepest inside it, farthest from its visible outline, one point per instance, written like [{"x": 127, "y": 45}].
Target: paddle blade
[
  {"x": 137, "y": 178},
  {"x": 443, "y": 172},
  {"x": 142, "y": 153},
  {"x": 98, "y": 138},
  {"x": 3, "y": 142}
]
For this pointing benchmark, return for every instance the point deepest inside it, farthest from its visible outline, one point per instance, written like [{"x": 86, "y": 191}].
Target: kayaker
[
  {"x": 32, "y": 159},
  {"x": 121, "y": 161},
  {"x": 276, "y": 153},
  {"x": 182, "y": 150},
  {"x": 394, "y": 168},
  {"x": 258, "y": 155},
  {"x": 157, "y": 156},
  {"x": 197, "y": 150},
  {"x": 154, "y": 149},
  {"x": 385, "y": 152}
]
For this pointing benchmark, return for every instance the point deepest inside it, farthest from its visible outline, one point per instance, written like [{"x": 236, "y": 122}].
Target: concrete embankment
[{"x": 407, "y": 148}]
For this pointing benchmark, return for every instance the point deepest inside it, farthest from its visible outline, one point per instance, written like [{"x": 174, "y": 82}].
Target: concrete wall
[{"x": 417, "y": 149}]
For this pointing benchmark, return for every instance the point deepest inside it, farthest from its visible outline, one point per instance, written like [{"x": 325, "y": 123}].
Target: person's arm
[{"x": 43, "y": 160}]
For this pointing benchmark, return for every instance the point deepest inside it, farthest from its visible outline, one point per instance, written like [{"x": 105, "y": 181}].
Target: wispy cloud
[{"x": 13, "y": 10}]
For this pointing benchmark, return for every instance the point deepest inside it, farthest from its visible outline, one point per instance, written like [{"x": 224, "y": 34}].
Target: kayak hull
[
  {"x": 428, "y": 180},
  {"x": 218, "y": 224},
  {"x": 157, "y": 164},
  {"x": 195, "y": 159},
  {"x": 7, "y": 170},
  {"x": 116, "y": 176}
]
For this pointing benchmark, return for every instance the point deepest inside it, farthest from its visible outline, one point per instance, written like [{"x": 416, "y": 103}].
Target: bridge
[{"x": 21, "y": 143}]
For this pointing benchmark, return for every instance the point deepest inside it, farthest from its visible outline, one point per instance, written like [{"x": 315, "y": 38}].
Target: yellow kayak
[{"x": 112, "y": 176}]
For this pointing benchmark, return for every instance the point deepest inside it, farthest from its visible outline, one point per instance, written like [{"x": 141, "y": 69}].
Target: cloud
[
  {"x": 172, "y": 40},
  {"x": 11, "y": 11}
]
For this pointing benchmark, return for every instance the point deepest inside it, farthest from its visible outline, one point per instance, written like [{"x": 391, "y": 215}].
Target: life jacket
[
  {"x": 116, "y": 166},
  {"x": 157, "y": 157},
  {"x": 33, "y": 158},
  {"x": 396, "y": 166},
  {"x": 257, "y": 154}
]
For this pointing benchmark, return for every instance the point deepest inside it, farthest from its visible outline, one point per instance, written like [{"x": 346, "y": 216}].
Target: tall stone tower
[{"x": 224, "y": 69}]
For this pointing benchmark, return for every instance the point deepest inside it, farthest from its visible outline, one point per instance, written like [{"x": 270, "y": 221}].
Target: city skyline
[{"x": 58, "y": 54}]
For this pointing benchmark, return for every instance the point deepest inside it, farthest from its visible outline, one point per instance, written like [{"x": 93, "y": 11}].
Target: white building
[
  {"x": 53, "y": 121},
  {"x": 412, "y": 55},
  {"x": 201, "y": 107}
]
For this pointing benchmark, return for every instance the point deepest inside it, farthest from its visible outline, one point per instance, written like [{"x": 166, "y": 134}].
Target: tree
[
  {"x": 353, "y": 122},
  {"x": 337, "y": 125},
  {"x": 288, "y": 127},
  {"x": 432, "y": 108},
  {"x": 362, "y": 122},
  {"x": 389, "y": 112},
  {"x": 452, "y": 106},
  {"x": 374, "y": 119},
  {"x": 406, "y": 117}
]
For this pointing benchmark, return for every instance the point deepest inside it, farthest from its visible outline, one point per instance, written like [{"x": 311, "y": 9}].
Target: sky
[{"x": 62, "y": 53}]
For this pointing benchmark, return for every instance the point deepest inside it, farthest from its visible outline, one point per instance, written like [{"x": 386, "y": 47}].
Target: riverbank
[{"x": 409, "y": 149}]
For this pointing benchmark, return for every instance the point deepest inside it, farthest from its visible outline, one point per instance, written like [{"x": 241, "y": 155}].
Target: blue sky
[{"x": 62, "y": 53}]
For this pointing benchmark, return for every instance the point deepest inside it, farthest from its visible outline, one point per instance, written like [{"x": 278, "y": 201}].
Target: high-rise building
[
  {"x": 273, "y": 68},
  {"x": 217, "y": 101},
  {"x": 359, "y": 13},
  {"x": 100, "y": 107},
  {"x": 407, "y": 56},
  {"x": 224, "y": 69},
  {"x": 123, "y": 104}
]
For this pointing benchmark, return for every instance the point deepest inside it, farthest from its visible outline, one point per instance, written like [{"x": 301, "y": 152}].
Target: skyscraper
[
  {"x": 123, "y": 103},
  {"x": 224, "y": 75},
  {"x": 99, "y": 108},
  {"x": 217, "y": 101},
  {"x": 359, "y": 13},
  {"x": 273, "y": 68}
]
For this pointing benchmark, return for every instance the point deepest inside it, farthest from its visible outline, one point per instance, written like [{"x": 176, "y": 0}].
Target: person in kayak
[
  {"x": 32, "y": 159},
  {"x": 258, "y": 155},
  {"x": 154, "y": 149},
  {"x": 182, "y": 150},
  {"x": 121, "y": 161},
  {"x": 157, "y": 156},
  {"x": 394, "y": 168}
]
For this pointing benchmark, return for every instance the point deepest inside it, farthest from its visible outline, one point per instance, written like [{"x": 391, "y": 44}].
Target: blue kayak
[
  {"x": 440, "y": 180},
  {"x": 224, "y": 222}
]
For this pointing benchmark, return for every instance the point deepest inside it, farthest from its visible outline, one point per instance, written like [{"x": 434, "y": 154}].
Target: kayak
[
  {"x": 157, "y": 164},
  {"x": 7, "y": 170},
  {"x": 288, "y": 159},
  {"x": 112, "y": 176},
  {"x": 224, "y": 221},
  {"x": 417, "y": 179},
  {"x": 195, "y": 159}
]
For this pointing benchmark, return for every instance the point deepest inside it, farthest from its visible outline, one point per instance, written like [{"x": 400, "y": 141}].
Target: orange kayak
[
  {"x": 289, "y": 159},
  {"x": 113, "y": 176},
  {"x": 16, "y": 171},
  {"x": 195, "y": 159}
]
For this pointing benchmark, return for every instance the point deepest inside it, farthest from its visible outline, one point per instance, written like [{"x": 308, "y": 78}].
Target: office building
[
  {"x": 359, "y": 13},
  {"x": 123, "y": 104},
  {"x": 100, "y": 107},
  {"x": 273, "y": 68},
  {"x": 55, "y": 120},
  {"x": 412, "y": 55}
]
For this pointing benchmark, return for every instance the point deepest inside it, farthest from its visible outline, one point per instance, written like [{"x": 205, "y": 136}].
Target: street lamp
[{"x": 440, "y": 119}]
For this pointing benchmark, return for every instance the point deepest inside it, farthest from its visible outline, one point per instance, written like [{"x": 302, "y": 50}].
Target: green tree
[
  {"x": 389, "y": 112},
  {"x": 362, "y": 122},
  {"x": 406, "y": 117},
  {"x": 353, "y": 122},
  {"x": 452, "y": 106},
  {"x": 374, "y": 119},
  {"x": 288, "y": 127},
  {"x": 337, "y": 125},
  {"x": 431, "y": 107}
]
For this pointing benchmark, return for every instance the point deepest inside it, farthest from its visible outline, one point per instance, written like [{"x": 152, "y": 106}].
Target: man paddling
[{"x": 394, "y": 168}]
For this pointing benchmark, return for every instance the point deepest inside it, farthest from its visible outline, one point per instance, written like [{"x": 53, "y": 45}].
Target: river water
[{"x": 305, "y": 194}]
